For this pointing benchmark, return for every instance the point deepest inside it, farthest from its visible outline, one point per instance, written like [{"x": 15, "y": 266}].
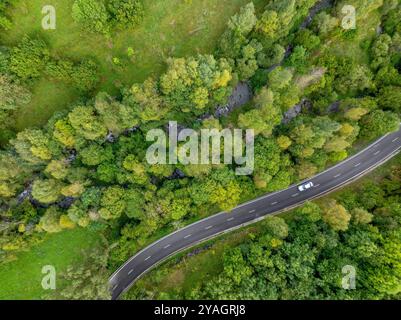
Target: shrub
[
  {"x": 91, "y": 14},
  {"x": 5, "y": 22},
  {"x": 85, "y": 75},
  {"x": 103, "y": 15},
  {"x": 60, "y": 70},
  {"x": 12, "y": 97},
  {"x": 126, "y": 13},
  {"x": 29, "y": 58}
]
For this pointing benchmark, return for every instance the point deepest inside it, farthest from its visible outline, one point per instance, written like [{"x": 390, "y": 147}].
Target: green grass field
[
  {"x": 352, "y": 47},
  {"x": 21, "y": 279},
  {"x": 171, "y": 28}
]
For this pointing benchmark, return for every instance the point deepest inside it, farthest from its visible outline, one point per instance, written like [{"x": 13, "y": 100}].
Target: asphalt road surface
[{"x": 253, "y": 211}]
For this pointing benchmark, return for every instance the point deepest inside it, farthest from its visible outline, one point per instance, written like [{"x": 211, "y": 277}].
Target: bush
[
  {"x": 91, "y": 14},
  {"x": 12, "y": 97},
  {"x": 5, "y": 22},
  {"x": 103, "y": 15},
  {"x": 60, "y": 70},
  {"x": 29, "y": 58},
  {"x": 85, "y": 75},
  {"x": 126, "y": 13},
  {"x": 4, "y": 60}
]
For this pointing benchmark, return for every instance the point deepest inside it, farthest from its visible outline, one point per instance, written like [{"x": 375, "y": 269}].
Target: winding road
[{"x": 335, "y": 177}]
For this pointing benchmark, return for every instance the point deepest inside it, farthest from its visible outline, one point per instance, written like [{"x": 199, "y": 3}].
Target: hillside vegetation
[{"x": 313, "y": 104}]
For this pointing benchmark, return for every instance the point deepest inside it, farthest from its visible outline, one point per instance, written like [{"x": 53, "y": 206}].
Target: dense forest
[
  {"x": 304, "y": 259},
  {"x": 87, "y": 167},
  {"x": 303, "y": 255}
]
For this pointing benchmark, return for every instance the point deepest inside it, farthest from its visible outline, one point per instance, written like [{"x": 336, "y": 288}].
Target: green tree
[
  {"x": 335, "y": 215},
  {"x": 11, "y": 173},
  {"x": 46, "y": 191},
  {"x": 64, "y": 133},
  {"x": 116, "y": 117},
  {"x": 33, "y": 146},
  {"x": 113, "y": 203},
  {"x": 280, "y": 78},
  {"x": 235, "y": 266},
  {"x": 265, "y": 117},
  {"x": 268, "y": 24},
  {"x": 380, "y": 51},
  {"x": 277, "y": 227},
  {"x": 271, "y": 57},
  {"x": 336, "y": 144},
  {"x": 243, "y": 22},
  {"x": 361, "y": 216},
  {"x": 189, "y": 83},
  {"x": 324, "y": 23},
  {"x": 390, "y": 99},
  {"x": 307, "y": 39},
  {"x": 95, "y": 154},
  {"x": 146, "y": 101},
  {"x": 58, "y": 169},
  {"x": 378, "y": 123},
  {"x": 135, "y": 204},
  {"x": 86, "y": 123},
  {"x": 50, "y": 221}
]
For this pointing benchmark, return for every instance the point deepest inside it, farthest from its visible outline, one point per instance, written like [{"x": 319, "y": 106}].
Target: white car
[{"x": 306, "y": 186}]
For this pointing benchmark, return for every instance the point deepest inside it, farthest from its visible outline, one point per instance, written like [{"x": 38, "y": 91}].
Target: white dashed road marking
[
  {"x": 395, "y": 139},
  {"x": 337, "y": 175},
  {"x": 357, "y": 165},
  {"x": 317, "y": 185},
  {"x": 131, "y": 271},
  {"x": 294, "y": 195},
  {"x": 148, "y": 258},
  {"x": 209, "y": 227},
  {"x": 274, "y": 203},
  {"x": 230, "y": 219},
  {"x": 186, "y": 237},
  {"x": 376, "y": 153},
  {"x": 252, "y": 211},
  {"x": 115, "y": 287},
  {"x": 169, "y": 245}
]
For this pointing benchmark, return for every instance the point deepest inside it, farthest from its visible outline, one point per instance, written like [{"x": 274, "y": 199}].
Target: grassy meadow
[
  {"x": 21, "y": 279},
  {"x": 171, "y": 28}
]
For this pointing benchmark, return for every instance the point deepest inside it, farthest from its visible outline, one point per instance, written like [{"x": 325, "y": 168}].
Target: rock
[
  {"x": 24, "y": 194},
  {"x": 72, "y": 156},
  {"x": 296, "y": 110},
  {"x": 131, "y": 130},
  {"x": 111, "y": 137},
  {"x": 241, "y": 95},
  {"x": 334, "y": 107},
  {"x": 177, "y": 174},
  {"x": 66, "y": 203},
  {"x": 320, "y": 6}
]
